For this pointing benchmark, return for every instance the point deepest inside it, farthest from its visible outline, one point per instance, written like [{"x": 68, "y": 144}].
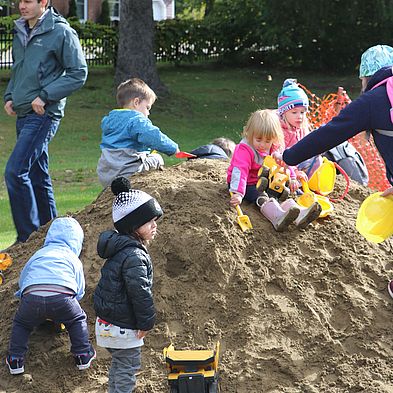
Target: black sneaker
[
  {"x": 84, "y": 360},
  {"x": 15, "y": 364}
]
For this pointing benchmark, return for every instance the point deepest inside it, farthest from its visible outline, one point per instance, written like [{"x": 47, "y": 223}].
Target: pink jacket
[
  {"x": 244, "y": 167},
  {"x": 292, "y": 135}
]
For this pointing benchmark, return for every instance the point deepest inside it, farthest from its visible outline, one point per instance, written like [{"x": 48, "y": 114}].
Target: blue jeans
[
  {"x": 27, "y": 174},
  {"x": 125, "y": 364},
  {"x": 34, "y": 310}
]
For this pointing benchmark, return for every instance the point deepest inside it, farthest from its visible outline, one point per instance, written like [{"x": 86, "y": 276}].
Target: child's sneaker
[
  {"x": 390, "y": 288},
  {"x": 83, "y": 360},
  {"x": 15, "y": 364}
]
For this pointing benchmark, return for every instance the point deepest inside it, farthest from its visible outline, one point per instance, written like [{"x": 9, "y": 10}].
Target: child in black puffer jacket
[{"x": 123, "y": 299}]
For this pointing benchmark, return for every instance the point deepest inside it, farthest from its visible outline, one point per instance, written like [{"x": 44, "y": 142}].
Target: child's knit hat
[
  {"x": 374, "y": 58},
  {"x": 291, "y": 95},
  {"x": 132, "y": 208}
]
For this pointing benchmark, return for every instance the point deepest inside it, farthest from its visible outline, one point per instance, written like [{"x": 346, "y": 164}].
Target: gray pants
[
  {"x": 125, "y": 162},
  {"x": 125, "y": 364}
]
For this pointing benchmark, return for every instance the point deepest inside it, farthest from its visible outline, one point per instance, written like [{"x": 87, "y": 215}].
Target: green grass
[{"x": 206, "y": 101}]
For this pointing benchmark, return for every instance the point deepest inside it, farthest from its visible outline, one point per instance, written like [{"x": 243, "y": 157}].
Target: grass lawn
[{"x": 206, "y": 101}]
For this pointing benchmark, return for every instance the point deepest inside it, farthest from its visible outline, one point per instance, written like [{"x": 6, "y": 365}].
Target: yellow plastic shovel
[
  {"x": 242, "y": 219},
  {"x": 308, "y": 198}
]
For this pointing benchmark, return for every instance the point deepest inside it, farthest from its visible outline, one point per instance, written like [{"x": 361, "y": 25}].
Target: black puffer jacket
[{"x": 124, "y": 293}]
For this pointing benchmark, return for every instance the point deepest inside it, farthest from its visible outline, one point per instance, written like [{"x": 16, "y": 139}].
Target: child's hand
[
  {"x": 294, "y": 185},
  {"x": 141, "y": 333},
  {"x": 236, "y": 199},
  {"x": 387, "y": 192},
  {"x": 300, "y": 175}
]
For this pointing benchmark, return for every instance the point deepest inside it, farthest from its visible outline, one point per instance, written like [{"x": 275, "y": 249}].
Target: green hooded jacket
[{"x": 47, "y": 63}]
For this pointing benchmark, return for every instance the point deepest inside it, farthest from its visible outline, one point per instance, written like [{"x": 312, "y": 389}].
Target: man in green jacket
[{"x": 48, "y": 65}]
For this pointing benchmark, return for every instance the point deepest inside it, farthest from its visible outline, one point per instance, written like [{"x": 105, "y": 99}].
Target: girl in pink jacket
[
  {"x": 292, "y": 109},
  {"x": 263, "y": 136}
]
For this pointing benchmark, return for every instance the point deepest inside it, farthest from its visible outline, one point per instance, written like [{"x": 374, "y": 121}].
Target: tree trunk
[
  {"x": 209, "y": 7},
  {"x": 135, "y": 54}
]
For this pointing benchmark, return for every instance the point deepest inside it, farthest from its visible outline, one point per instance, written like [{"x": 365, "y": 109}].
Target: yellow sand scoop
[
  {"x": 242, "y": 219},
  {"x": 308, "y": 198}
]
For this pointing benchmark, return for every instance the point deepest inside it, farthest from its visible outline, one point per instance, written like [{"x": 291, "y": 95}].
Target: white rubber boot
[
  {"x": 277, "y": 216},
  {"x": 306, "y": 215}
]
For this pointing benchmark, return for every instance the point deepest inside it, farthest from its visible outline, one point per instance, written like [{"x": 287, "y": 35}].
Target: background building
[{"x": 91, "y": 9}]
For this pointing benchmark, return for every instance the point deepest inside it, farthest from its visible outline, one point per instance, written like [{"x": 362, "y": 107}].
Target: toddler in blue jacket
[
  {"x": 129, "y": 137},
  {"x": 50, "y": 287}
]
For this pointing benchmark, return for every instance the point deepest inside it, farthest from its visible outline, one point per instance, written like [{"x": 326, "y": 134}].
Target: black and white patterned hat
[{"x": 132, "y": 208}]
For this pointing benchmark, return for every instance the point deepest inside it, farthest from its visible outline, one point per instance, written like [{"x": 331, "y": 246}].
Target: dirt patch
[{"x": 302, "y": 311}]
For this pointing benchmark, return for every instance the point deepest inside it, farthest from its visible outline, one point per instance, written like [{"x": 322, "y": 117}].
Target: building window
[
  {"x": 114, "y": 9},
  {"x": 81, "y": 9}
]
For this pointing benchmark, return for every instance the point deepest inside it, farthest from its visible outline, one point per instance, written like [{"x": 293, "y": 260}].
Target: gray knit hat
[{"x": 132, "y": 208}]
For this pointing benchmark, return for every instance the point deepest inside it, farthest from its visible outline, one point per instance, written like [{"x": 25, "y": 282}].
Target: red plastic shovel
[{"x": 183, "y": 154}]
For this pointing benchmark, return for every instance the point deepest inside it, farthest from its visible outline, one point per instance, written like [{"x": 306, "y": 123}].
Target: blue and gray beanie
[
  {"x": 374, "y": 58},
  {"x": 291, "y": 95}
]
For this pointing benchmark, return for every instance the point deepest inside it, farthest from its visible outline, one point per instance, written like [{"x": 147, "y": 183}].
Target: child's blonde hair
[
  {"x": 264, "y": 124},
  {"x": 226, "y": 144},
  {"x": 134, "y": 88}
]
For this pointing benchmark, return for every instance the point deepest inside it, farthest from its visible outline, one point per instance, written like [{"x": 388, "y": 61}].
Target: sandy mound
[{"x": 303, "y": 311}]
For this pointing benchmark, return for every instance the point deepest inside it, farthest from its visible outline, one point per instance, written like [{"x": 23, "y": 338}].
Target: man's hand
[
  {"x": 38, "y": 106},
  {"x": 278, "y": 157},
  {"x": 141, "y": 333},
  {"x": 387, "y": 192},
  {"x": 9, "y": 108}
]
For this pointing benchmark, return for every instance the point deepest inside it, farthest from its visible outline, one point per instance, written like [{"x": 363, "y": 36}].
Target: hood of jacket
[
  {"x": 111, "y": 242},
  {"x": 380, "y": 75},
  {"x": 209, "y": 151},
  {"x": 65, "y": 231},
  {"x": 47, "y": 22}
]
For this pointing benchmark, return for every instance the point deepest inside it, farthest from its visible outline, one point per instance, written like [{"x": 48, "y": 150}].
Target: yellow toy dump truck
[
  {"x": 273, "y": 180},
  {"x": 192, "y": 371},
  {"x": 5, "y": 263}
]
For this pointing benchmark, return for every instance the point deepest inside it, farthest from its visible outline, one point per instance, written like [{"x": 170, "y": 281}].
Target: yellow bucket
[
  {"x": 323, "y": 179},
  {"x": 306, "y": 201},
  {"x": 374, "y": 219}
]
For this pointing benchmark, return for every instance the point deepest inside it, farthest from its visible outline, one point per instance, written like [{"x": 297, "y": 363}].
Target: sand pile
[{"x": 302, "y": 311}]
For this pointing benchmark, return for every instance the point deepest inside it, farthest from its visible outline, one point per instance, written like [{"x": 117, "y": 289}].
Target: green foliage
[
  {"x": 315, "y": 35},
  {"x": 327, "y": 35},
  {"x": 104, "y": 18},
  {"x": 190, "y": 9},
  {"x": 7, "y": 22},
  {"x": 226, "y": 33},
  {"x": 98, "y": 41},
  {"x": 310, "y": 34}
]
